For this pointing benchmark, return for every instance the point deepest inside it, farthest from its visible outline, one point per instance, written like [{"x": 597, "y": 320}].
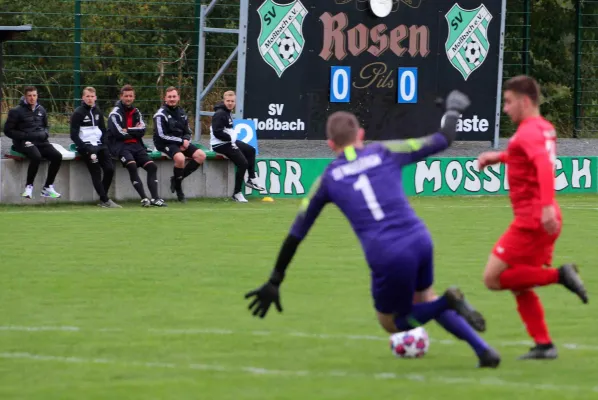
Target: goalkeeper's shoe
[
  {"x": 489, "y": 359},
  {"x": 457, "y": 302}
]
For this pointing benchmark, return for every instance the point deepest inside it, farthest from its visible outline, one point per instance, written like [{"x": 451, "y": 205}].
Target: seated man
[
  {"x": 224, "y": 141},
  {"x": 125, "y": 130},
  {"x": 88, "y": 132},
  {"x": 172, "y": 135},
  {"x": 27, "y": 126}
]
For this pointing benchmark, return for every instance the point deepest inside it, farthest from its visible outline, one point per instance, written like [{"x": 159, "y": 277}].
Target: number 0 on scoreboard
[
  {"x": 340, "y": 84},
  {"x": 407, "y": 87}
]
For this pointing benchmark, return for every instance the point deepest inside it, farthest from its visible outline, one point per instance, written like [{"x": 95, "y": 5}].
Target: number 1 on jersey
[{"x": 363, "y": 185}]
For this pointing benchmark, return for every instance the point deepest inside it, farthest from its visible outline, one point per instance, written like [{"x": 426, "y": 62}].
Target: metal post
[
  {"x": 77, "y": 58},
  {"x": 201, "y": 58},
  {"x": 577, "y": 73},
  {"x": 240, "y": 52},
  {"x": 197, "y": 14},
  {"x": 1, "y": 98},
  {"x": 501, "y": 55},
  {"x": 1, "y": 81},
  {"x": 526, "y": 37},
  {"x": 242, "y": 58}
]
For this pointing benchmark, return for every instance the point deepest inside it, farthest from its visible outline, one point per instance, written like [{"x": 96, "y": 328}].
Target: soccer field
[{"x": 148, "y": 304}]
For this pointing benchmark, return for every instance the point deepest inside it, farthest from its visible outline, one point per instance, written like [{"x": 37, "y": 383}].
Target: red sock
[
  {"x": 522, "y": 277},
  {"x": 532, "y": 313}
]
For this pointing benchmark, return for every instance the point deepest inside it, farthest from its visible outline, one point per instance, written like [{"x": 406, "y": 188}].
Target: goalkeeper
[{"x": 365, "y": 183}]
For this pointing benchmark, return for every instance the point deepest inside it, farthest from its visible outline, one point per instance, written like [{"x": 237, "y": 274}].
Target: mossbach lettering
[{"x": 277, "y": 125}]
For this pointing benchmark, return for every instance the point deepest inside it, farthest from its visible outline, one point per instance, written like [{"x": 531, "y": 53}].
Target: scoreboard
[{"x": 309, "y": 58}]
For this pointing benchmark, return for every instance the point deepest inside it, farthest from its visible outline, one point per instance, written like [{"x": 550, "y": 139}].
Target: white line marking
[
  {"x": 432, "y": 378},
  {"x": 192, "y": 331},
  {"x": 40, "y": 328},
  {"x": 295, "y": 334},
  {"x": 96, "y": 209},
  {"x": 474, "y": 206},
  {"x": 415, "y": 205},
  {"x": 324, "y": 336}
]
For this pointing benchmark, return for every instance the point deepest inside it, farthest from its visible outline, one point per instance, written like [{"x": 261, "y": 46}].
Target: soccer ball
[
  {"x": 472, "y": 52},
  {"x": 410, "y": 344},
  {"x": 286, "y": 48}
]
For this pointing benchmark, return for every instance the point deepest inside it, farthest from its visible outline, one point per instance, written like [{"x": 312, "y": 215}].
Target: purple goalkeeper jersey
[{"x": 366, "y": 185}]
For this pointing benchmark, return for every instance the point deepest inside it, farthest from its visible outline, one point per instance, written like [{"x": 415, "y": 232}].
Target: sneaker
[
  {"x": 569, "y": 278},
  {"x": 50, "y": 192},
  {"x": 158, "y": 203},
  {"x": 489, "y": 359},
  {"x": 28, "y": 193},
  {"x": 239, "y": 198},
  {"x": 457, "y": 302},
  {"x": 179, "y": 191},
  {"x": 254, "y": 185},
  {"x": 180, "y": 195},
  {"x": 108, "y": 204},
  {"x": 541, "y": 352},
  {"x": 146, "y": 203}
]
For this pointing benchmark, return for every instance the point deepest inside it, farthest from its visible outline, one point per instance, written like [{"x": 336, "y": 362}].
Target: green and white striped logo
[
  {"x": 467, "y": 42},
  {"x": 281, "y": 35}
]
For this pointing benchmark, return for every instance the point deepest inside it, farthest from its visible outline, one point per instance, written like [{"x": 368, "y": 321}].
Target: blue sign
[
  {"x": 407, "y": 87},
  {"x": 246, "y": 132},
  {"x": 340, "y": 84}
]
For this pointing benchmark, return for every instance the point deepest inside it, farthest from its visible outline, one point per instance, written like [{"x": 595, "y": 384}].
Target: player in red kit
[{"x": 522, "y": 257}]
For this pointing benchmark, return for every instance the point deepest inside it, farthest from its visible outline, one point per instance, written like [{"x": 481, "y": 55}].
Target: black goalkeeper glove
[
  {"x": 457, "y": 101},
  {"x": 265, "y": 295},
  {"x": 268, "y": 292}
]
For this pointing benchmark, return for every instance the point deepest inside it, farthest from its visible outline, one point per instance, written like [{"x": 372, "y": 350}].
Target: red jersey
[{"x": 530, "y": 158}]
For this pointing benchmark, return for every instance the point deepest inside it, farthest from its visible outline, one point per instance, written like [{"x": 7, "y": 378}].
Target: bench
[
  {"x": 66, "y": 154},
  {"x": 158, "y": 155},
  {"x": 214, "y": 180},
  {"x": 72, "y": 154}
]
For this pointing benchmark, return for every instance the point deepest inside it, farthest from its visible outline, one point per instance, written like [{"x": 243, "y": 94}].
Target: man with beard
[
  {"x": 125, "y": 131},
  {"x": 172, "y": 135},
  {"x": 27, "y": 126}
]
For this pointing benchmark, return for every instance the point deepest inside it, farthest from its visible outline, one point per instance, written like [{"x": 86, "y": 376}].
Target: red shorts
[{"x": 529, "y": 247}]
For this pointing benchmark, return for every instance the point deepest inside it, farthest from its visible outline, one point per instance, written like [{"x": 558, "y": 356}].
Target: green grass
[{"x": 148, "y": 304}]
